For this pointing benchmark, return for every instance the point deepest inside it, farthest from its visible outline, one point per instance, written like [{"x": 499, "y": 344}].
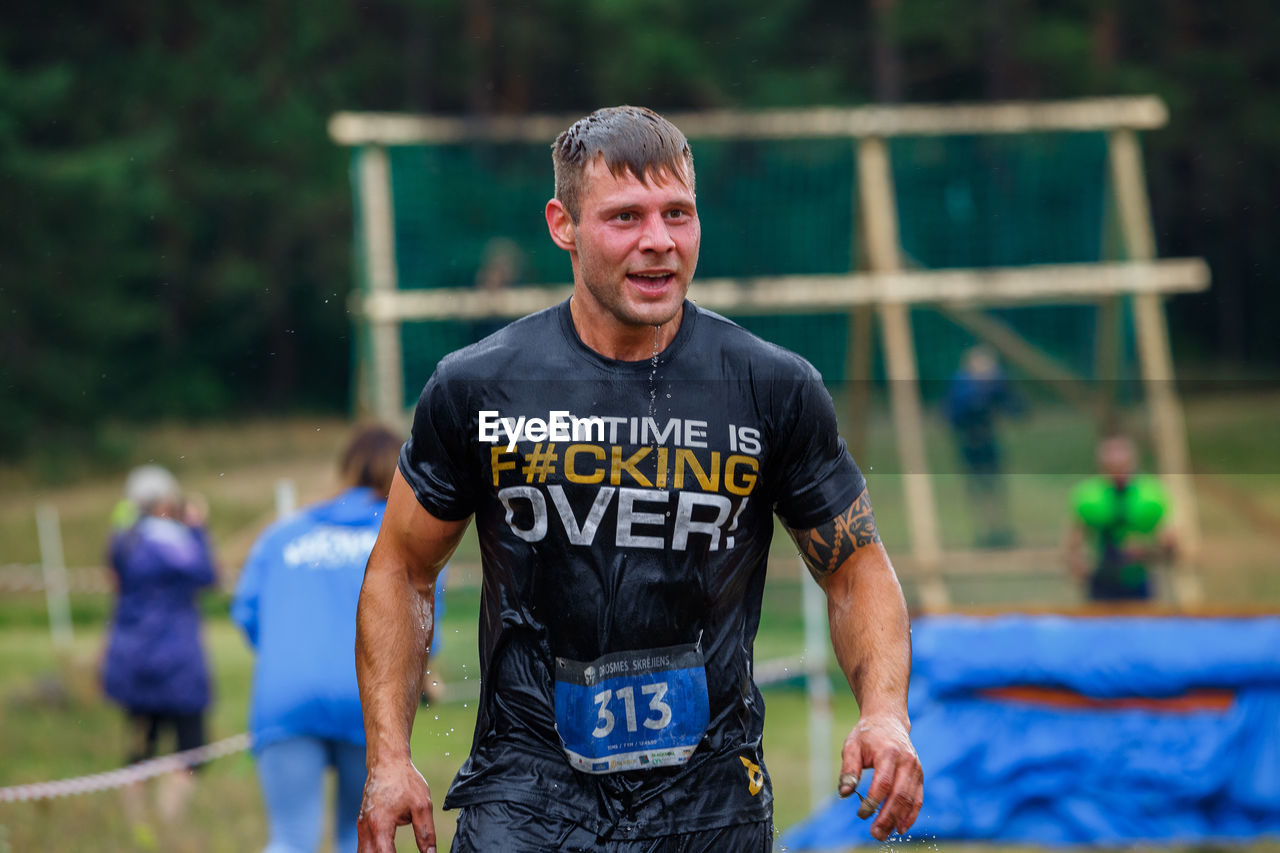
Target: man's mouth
[{"x": 651, "y": 281}]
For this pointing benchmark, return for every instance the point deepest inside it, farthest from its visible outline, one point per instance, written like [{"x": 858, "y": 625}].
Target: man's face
[
  {"x": 1118, "y": 458},
  {"x": 636, "y": 246}
]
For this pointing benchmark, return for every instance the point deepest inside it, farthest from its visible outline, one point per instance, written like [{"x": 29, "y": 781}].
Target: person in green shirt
[{"x": 1123, "y": 513}]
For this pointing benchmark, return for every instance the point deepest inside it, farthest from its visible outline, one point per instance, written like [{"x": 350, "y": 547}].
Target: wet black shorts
[
  {"x": 517, "y": 828},
  {"x": 144, "y": 733}
]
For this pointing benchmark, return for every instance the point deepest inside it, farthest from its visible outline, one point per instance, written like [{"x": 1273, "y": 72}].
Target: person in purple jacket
[
  {"x": 154, "y": 665},
  {"x": 296, "y": 602}
]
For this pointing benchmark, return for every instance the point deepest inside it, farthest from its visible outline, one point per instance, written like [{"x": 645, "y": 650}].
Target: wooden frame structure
[{"x": 885, "y": 288}]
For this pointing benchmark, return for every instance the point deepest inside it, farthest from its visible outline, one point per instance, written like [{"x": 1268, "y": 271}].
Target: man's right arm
[{"x": 394, "y": 624}]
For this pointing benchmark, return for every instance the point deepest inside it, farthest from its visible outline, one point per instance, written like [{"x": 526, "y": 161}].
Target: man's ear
[{"x": 560, "y": 224}]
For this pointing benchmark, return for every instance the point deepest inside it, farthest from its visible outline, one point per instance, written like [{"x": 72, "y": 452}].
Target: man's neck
[{"x": 620, "y": 341}]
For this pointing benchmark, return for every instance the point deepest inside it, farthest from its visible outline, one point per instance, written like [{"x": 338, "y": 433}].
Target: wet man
[{"x": 623, "y": 454}]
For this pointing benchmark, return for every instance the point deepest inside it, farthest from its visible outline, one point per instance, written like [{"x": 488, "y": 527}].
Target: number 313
[{"x": 656, "y": 691}]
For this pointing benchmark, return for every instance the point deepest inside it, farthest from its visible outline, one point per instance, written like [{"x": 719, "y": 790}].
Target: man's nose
[{"x": 656, "y": 236}]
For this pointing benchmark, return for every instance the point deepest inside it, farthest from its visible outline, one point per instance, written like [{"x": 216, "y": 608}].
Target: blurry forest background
[{"x": 177, "y": 231}]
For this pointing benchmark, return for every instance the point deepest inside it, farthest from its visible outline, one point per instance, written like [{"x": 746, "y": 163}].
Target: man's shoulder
[{"x": 741, "y": 346}]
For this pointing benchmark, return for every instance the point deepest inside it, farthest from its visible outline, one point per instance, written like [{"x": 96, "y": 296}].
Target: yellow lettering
[
  {"x": 495, "y": 455},
  {"x": 755, "y": 776},
  {"x": 709, "y": 483},
  {"x": 570, "y": 471},
  {"x": 743, "y": 484},
  {"x": 662, "y": 468},
  {"x": 629, "y": 465}
]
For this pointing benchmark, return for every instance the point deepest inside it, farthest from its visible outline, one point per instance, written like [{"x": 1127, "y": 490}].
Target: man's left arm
[{"x": 871, "y": 634}]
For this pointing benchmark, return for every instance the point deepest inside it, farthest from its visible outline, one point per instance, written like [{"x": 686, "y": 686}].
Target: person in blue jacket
[
  {"x": 978, "y": 395},
  {"x": 154, "y": 664},
  {"x": 296, "y": 602}
]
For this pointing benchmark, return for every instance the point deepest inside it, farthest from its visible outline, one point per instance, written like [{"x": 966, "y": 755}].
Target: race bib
[{"x": 632, "y": 710}]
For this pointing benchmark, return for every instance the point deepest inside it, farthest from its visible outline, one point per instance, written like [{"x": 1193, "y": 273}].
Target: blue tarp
[{"x": 1018, "y": 769}]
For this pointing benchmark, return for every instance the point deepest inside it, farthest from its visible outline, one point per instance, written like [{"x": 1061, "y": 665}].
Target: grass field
[{"x": 54, "y": 724}]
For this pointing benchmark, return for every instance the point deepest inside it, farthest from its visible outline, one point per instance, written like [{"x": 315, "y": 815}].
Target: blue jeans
[{"x": 291, "y": 773}]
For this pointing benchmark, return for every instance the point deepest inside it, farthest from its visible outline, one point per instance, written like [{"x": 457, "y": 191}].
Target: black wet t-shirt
[{"x": 623, "y": 507}]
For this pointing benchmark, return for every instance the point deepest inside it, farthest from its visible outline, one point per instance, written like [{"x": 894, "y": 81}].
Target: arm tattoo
[{"x": 825, "y": 548}]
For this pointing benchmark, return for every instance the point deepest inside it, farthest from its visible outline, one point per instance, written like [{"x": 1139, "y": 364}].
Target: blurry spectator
[
  {"x": 500, "y": 268},
  {"x": 979, "y": 393},
  {"x": 1121, "y": 511},
  {"x": 154, "y": 664},
  {"x": 296, "y": 601}
]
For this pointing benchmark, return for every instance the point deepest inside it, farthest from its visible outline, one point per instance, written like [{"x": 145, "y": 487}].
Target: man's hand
[
  {"x": 882, "y": 744},
  {"x": 394, "y": 797}
]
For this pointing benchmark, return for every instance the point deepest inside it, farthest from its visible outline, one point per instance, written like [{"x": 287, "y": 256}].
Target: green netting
[
  {"x": 1000, "y": 201},
  {"x": 776, "y": 208}
]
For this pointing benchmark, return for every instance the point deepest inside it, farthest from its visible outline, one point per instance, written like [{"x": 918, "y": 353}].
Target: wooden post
[
  {"x": 880, "y": 221},
  {"x": 857, "y": 368},
  {"x": 1168, "y": 427},
  {"x": 54, "y": 569},
  {"x": 858, "y": 373},
  {"x": 383, "y": 385},
  {"x": 817, "y": 639}
]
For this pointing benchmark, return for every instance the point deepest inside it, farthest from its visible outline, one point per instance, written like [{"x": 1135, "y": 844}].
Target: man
[
  {"x": 1122, "y": 511},
  {"x": 978, "y": 394},
  {"x": 623, "y": 454}
]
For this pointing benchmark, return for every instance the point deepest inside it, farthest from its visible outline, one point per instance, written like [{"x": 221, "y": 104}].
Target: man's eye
[
  {"x": 625, "y": 217},
  {"x": 676, "y": 214}
]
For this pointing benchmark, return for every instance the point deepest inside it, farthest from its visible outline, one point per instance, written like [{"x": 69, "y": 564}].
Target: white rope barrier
[
  {"x": 19, "y": 577},
  {"x": 125, "y": 775}
]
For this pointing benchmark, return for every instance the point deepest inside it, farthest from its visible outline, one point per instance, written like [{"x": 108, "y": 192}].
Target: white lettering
[
  {"x": 694, "y": 433},
  {"x": 329, "y": 548},
  {"x": 685, "y": 525},
  {"x": 613, "y": 428},
  {"x": 535, "y": 429},
  {"x": 558, "y": 424},
  {"x": 538, "y": 531},
  {"x": 628, "y": 517},
  {"x": 582, "y": 428},
  {"x": 513, "y": 431},
  {"x": 489, "y": 427},
  {"x": 586, "y": 534},
  {"x": 651, "y": 433}
]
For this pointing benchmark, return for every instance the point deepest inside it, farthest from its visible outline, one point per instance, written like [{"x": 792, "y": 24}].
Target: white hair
[{"x": 148, "y": 485}]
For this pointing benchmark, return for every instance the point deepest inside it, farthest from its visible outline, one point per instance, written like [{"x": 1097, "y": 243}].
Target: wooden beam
[
  {"x": 880, "y": 225},
  {"x": 1168, "y": 426},
  {"x": 858, "y": 375},
  {"x": 860, "y": 329},
  {"x": 1097, "y": 114},
  {"x": 1050, "y": 283},
  {"x": 384, "y": 385}
]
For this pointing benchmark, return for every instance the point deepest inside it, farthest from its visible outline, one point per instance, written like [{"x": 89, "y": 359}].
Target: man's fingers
[
  {"x": 373, "y": 835},
  {"x": 424, "y": 827},
  {"x": 848, "y": 784},
  {"x": 851, "y": 764},
  {"x": 913, "y": 788},
  {"x": 902, "y": 802},
  {"x": 867, "y": 808}
]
